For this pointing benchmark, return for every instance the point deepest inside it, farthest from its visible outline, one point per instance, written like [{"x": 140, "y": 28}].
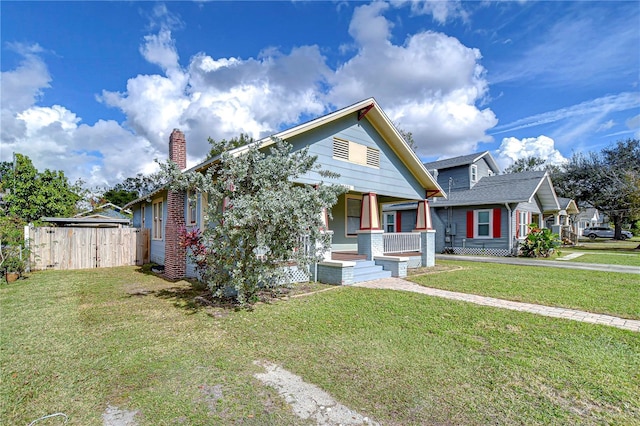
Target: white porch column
[
  {"x": 427, "y": 234},
  {"x": 326, "y": 233},
  {"x": 370, "y": 241}
]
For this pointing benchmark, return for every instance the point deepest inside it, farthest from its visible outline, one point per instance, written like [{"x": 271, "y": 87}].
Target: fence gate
[{"x": 83, "y": 248}]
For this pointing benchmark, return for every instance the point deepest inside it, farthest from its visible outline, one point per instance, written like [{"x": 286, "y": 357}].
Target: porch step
[{"x": 367, "y": 270}]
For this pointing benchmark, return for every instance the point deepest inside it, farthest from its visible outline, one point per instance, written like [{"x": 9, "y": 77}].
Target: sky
[{"x": 95, "y": 88}]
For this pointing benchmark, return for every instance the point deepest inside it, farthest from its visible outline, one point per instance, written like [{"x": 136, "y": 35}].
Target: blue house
[
  {"x": 375, "y": 164},
  {"x": 485, "y": 212}
]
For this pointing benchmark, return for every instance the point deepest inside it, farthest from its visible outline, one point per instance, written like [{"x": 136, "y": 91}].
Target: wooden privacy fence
[{"x": 83, "y": 248}]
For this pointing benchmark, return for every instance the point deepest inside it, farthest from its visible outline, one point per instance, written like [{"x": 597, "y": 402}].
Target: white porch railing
[{"x": 401, "y": 242}]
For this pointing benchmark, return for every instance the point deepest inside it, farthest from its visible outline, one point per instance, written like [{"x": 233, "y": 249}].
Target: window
[
  {"x": 483, "y": 223},
  {"x": 390, "y": 222},
  {"x": 523, "y": 222},
  {"x": 474, "y": 173},
  {"x": 356, "y": 153},
  {"x": 353, "y": 216},
  {"x": 192, "y": 208},
  {"x": 143, "y": 213},
  {"x": 157, "y": 219}
]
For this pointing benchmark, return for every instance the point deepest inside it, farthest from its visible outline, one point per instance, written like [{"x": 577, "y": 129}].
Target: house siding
[
  {"x": 483, "y": 168},
  {"x": 459, "y": 176},
  {"x": 459, "y": 222},
  {"x": 391, "y": 179},
  {"x": 340, "y": 241}
]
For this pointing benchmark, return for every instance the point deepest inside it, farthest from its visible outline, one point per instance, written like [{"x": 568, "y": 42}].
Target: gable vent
[
  {"x": 356, "y": 153},
  {"x": 373, "y": 157},
  {"x": 341, "y": 149}
]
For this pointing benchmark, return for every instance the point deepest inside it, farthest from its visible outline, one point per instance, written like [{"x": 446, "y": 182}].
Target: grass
[
  {"x": 606, "y": 251},
  {"x": 75, "y": 342},
  {"x": 593, "y": 291},
  {"x": 610, "y": 259}
]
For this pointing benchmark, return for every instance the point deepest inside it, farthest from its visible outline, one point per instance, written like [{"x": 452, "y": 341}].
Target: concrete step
[{"x": 367, "y": 270}]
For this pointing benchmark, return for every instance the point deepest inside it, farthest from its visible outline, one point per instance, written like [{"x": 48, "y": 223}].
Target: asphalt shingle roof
[{"x": 498, "y": 189}]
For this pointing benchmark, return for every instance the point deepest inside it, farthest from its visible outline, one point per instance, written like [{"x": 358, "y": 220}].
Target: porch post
[
  {"x": 370, "y": 241},
  {"x": 427, "y": 234},
  {"x": 326, "y": 233},
  {"x": 423, "y": 216}
]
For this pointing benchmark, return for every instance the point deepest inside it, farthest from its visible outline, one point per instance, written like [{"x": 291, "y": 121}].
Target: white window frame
[
  {"x": 346, "y": 215},
  {"x": 476, "y": 224},
  {"x": 192, "y": 208},
  {"x": 474, "y": 173},
  {"x": 523, "y": 219},
  {"x": 157, "y": 232},
  {"x": 394, "y": 223},
  {"x": 143, "y": 213}
]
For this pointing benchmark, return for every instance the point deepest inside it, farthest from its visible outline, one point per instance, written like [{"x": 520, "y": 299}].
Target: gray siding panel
[
  {"x": 407, "y": 220},
  {"x": 459, "y": 178}
]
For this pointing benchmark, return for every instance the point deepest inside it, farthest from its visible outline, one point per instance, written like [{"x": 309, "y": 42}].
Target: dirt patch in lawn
[{"x": 308, "y": 401}]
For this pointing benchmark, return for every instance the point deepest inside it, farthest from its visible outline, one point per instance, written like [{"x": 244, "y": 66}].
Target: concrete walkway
[
  {"x": 571, "y": 314},
  {"x": 545, "y": 263}
]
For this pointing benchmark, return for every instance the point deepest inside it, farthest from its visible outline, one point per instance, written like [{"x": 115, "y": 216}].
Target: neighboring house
[
  {"x": 587, "y": 218},
  {"x": 566, "y": 218},
  {"x": 106, "y": 211},
  {"x": 374, "y": 162},
  {"x": 485, "y": 213}
]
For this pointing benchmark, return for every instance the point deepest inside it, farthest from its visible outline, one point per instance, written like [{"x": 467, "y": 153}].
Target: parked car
[{"x": 604, "y": 232}]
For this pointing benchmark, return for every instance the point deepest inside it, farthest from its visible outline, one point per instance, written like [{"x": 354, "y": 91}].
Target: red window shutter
[
  {"x": 517, "y": 223},
  {"x": 470, "y": 224},
  {"x": 497, "y": 223}
]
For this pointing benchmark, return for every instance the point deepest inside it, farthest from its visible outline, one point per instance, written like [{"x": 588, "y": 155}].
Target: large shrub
[
  {"x": 259, "y": 219},
  {"x": 539, "y": 242}
]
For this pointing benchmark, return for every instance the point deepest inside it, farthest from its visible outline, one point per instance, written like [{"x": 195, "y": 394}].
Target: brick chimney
[
  {"x": 175, "y": 257},
  {"x": 178, "y": 148}
]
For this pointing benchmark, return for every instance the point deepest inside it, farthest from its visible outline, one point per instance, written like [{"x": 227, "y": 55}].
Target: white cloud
[
  {"x": 441, "y": 11},
  {"x": 53, "y": 136},
  {"x": 429, "y": 85},
  {"x": 23, "y": 86},
  {"x": 511, "y": 149}
]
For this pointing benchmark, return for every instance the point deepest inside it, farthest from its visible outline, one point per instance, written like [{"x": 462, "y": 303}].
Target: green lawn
[
  {"x": 606, "y": 251},
  {"x": 75, "y": 342},
  {"x": 593, "y": 291},
  {"x": 630, "y": 259}
]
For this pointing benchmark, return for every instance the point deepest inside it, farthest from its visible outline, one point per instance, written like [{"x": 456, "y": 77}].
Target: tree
[
  {"x": 132, "y": 188},
  {"x": 235, "y": 142},
  {"x": 120, "y": 197},
  {"x": 607, "y": 181},
  {"x": 260, "y": 218},
  {"x": 526, "y": 164},
  {"x": 30, "y": 195}
]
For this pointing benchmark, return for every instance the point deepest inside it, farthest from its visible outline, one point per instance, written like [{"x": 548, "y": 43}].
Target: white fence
[{"x": 401, "y": 242}]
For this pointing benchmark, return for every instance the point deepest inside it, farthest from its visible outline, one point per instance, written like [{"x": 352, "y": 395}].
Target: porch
[{"x": 362, "y": 250}]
